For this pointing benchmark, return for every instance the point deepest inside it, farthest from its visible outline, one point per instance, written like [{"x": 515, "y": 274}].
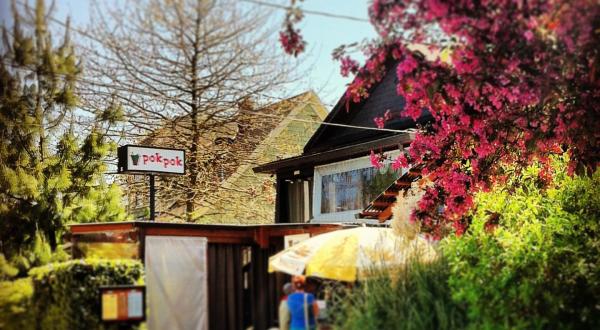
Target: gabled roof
[
  {"x": 382, "y": 97},
  {"x": 300, "y": 101},
  {"x": 256, "y": 132}
]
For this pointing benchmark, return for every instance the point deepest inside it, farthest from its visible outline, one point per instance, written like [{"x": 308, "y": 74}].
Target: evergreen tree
[{"x": 50, "y": 169}]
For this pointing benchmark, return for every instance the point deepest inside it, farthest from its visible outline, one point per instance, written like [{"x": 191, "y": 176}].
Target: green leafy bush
[
  {"x": 531, "y": 257},
  {"x": 36, "y": 254},
  {"x": 15, "y": 304},
  {"x": 66, "y": 294},
  {"x": 418, "y": 297},
  {"x": 7, "y": 271},
  {"x": 63, "y": 295}
]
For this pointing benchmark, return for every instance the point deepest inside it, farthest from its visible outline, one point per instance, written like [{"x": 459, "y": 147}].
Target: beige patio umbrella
[{"x": 349, "y": 254}]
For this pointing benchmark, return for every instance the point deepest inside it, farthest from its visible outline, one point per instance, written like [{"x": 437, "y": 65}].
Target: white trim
[
  {"x": 306, "y": 190},
  {"x": 339, "y": 167}
]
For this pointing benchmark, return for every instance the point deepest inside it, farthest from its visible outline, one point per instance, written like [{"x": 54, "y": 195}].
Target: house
[
  {"x": 333, "y": 179},
  {"x": 229, "y": 191}
]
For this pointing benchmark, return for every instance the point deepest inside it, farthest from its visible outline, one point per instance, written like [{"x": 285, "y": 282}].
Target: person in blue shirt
[
  {"x": 284, "y": 312},
  {"x": 302, "y": 306}
]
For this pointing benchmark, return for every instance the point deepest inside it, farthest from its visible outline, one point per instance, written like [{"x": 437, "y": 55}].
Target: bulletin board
[{"x": 123, "y": 303}]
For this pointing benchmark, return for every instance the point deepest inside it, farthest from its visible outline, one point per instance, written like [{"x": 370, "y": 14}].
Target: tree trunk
[{"x": 194, "y": 166}]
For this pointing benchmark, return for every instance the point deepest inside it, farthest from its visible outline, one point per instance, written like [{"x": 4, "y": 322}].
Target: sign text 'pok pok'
[{"x": 139, "y": 159}]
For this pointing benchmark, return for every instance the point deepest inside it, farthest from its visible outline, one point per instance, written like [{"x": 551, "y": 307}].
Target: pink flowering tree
[
  {"x": 289, "y": 36},
  {"x": 513, "y": 82}
]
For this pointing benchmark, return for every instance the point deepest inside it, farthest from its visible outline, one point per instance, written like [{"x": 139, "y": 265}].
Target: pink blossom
[
  {"x": 376, "y": 160},
  {"x": 437, "y": 8},
  {"x": 348, "y": 65},
  {"x": 459, "y": 227},
  {"x": 292, "y": 41},
  {"x": 407, "y": 66},
  {"x": 379, "y": 121},
  {"x": 400, "y": 162},
  {"x": 465, "y": 61},
  {"x": 387, "y": 115},
  {"x": 452, "y": 91},
  {"x": 483, "y": 149}
]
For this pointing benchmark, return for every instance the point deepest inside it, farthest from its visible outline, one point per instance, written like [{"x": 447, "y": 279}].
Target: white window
[{"x": 343, "y": 189}]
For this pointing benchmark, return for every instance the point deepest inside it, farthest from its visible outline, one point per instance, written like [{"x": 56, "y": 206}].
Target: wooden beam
[
  {"x": 385, "y": 214},
  {"x": 403, "y": 184},
  {"x": 415, "y": 171},
  {"x": 248, "y": 234},
  {"x": 100, "y": 227},
  {"x": 213, "y": 236},
  {"x": 261, "y": 237},
  {"x": 380, "y": 204},
  {"x": 103, "y": 237},
  {"x": 370, "y": 214},
  {"x": 390, "y": 193}
]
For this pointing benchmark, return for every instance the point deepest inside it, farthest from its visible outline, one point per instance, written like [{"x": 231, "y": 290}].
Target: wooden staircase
[{"x": 381, "y": 207}]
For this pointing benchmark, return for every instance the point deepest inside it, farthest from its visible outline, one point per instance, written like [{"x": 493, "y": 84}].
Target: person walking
[
  {"x": 302, "y": 306},
  {"x": 284, "y": 311}
]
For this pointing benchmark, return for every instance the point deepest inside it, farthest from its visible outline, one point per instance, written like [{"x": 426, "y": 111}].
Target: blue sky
[{"x": 322, "y": 34}]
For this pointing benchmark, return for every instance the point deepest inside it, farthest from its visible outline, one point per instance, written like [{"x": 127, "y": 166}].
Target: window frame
[{"x": 336, "y": 168}]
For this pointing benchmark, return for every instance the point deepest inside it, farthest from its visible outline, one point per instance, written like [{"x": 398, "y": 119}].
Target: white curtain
[{"x": 176, "y": 282}]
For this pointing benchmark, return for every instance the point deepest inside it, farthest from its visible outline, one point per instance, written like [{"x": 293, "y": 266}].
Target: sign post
[
  {"x": 151, "y": 161},
  {"x": 152, "y": 198}
]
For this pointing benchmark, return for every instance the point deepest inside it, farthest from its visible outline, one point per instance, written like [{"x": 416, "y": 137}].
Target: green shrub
[
  {"x": 33, "y": 254},
  {"x": 66, "y": 296},
  {"x": 7, "y": 271},
  {"x": 416, "y": 298},
  {"x": 531, "y": 257},
  {"x": 15, "y": 304}
]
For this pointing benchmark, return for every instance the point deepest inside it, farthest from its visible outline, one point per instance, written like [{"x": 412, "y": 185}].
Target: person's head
[
  {"x": 298, "y": 281},
  {"x": 288, "y": 288}
]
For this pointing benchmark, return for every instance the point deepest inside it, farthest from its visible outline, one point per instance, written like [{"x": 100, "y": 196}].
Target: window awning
[{"x": 381, "y": 207}]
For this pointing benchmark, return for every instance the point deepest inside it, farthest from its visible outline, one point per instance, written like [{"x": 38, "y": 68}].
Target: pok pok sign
[{"x": 140, "y": 159}]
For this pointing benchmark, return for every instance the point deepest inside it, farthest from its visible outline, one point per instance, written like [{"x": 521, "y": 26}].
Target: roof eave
[{"x": 338, "y": 154}]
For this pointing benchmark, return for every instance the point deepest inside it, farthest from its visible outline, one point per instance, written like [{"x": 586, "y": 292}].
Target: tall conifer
[{"x": 50, "y": 169}]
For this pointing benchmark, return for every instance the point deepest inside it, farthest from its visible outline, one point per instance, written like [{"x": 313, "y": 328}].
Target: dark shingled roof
[{"x": 382, "y": 97}]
